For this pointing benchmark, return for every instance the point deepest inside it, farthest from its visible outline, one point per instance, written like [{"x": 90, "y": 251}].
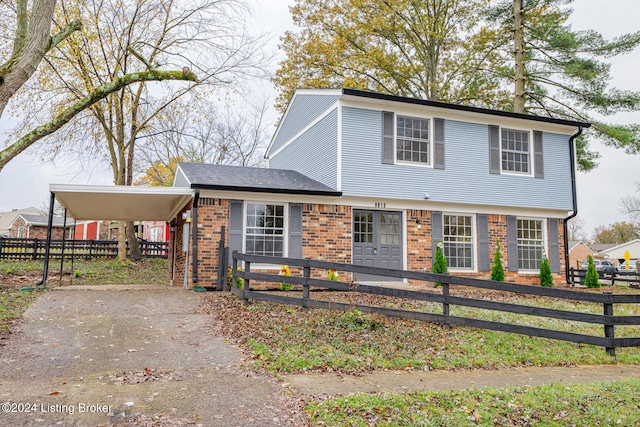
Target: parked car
[
  {"x": 623, "y": 266},
  {"x": 604, "y": 266}
]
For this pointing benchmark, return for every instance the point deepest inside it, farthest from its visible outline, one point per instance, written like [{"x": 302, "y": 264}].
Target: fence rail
[
  {"x": 34, "y": 249},
  {"x": 608, "y": 300},
  {"x": 577, "y": 276}
]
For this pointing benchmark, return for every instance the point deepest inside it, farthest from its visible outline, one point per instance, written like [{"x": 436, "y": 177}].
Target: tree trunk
[
  {"x": 122, "y": 242},
  {"x": 134, "y": 247},
  {"x": 519, "y": 48}
]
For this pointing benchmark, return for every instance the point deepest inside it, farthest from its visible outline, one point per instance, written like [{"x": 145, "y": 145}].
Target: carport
[{"x": 114, "y": 202}]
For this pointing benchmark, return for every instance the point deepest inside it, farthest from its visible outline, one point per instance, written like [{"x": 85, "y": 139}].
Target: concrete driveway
[{"x": 91, "y": 356}]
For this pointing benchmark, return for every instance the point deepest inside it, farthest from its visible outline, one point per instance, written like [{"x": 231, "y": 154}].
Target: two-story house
[{"x": 374, "y": 179}]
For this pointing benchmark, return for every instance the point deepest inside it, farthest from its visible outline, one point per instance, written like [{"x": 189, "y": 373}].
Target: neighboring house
[
  {"x": 7, "y": 218},
  {"x": 578, "y": 253},
  {"x": 155, "y": 231},
  {"x": 616, "y": 252},
  {"x": 35, "y": 227},
  {"x": 96, "y": 230},
  {"x": 373, "y": 179}
]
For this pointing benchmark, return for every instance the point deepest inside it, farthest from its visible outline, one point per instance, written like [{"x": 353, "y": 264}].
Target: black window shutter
[
  {"x": 494, "y": 149},
  {"x": 436, "y": 231},
  {"x": 236, "y": 221},
  {"x": 538, "y": 161},
  {"x": 554, "y": 245},
  {"x": 512, "y": 243},
  {"x": 388, "y": 149},
  {"x": 295, "y": 230},
  {"x": 438, "y": 146},
  {"x": 484, "y": 260}
]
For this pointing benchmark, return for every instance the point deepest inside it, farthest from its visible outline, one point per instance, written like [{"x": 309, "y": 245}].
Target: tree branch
[
  {"x": 67, "y": 114},
  {"x": 64, "y": 33}
]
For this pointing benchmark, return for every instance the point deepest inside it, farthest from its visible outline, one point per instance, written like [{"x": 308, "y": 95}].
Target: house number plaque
[{"x": 380, "y": 205}]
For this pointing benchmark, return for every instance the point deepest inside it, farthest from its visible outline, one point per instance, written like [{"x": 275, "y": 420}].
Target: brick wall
[
  {"x": 212, "y": 215},
  {"x": 37, "y": 231},
  {"x": 326, "y": 236},
  {"x": 578, "y": 255}
]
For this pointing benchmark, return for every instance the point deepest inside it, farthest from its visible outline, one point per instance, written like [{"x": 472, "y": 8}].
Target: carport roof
[{"x": 121, "y": 203}]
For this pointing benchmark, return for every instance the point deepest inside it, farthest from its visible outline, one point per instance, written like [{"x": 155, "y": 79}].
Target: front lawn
[
  {"x": 285, "y": 339},
  {"x": 604, "y": 404}
]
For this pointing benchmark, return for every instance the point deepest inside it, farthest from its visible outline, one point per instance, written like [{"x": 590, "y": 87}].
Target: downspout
[
  {"x": 194, "y": 237},
  {"x": 572, "y": 155}
]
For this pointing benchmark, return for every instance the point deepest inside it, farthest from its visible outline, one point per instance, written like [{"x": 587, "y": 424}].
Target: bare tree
[
  {"x": 204, "y": 134},
  {"x": 29, "y": 42},
  {"x": 211, "y": 36},
  {"x": 575, "y": 228},
  {"x": 630, "y": 205}
]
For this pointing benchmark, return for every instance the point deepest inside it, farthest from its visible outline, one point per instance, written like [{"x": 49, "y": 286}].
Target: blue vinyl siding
[
  {"x": 466, "y": 178},
  {"x": 181, "y": 180},
  {"x": 314, "y": 153},
  {"x": 303, "y": 110}
]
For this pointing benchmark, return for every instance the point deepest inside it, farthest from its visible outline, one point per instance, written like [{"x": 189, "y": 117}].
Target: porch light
[{"x": 419, "y": 224}]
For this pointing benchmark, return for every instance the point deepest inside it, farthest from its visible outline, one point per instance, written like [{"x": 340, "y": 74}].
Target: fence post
[
  {"x": 609, "y": 329},
  {"x": 234, "y": 268},
  {"x": 34, "y": 247},
  {"x": 445, "y": 302},
  {"x": 306, "y": 273},
  {"x": 1, "y": 239},
  {"x": 247, "y": 269}
]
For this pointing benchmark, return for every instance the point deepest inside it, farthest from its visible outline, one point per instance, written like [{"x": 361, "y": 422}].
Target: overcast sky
[{"x": 24, "y": 182}]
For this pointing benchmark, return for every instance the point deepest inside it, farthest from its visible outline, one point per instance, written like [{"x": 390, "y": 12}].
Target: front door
[{"x": 377, "y": 241}]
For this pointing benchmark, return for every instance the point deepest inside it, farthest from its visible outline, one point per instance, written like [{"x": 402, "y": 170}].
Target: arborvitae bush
[
  {"x": 497, "y": 269},
  {"x": 591, "y": 280},
  {"x": 439, "y": 262},
  {"x": 546, "y": 279}
]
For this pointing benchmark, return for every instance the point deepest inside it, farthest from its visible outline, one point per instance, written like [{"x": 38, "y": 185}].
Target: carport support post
[
  {"x": 194, "y": 238},
  {"x": 52, "y": 201},
  {"x": 608, "y": 329}
]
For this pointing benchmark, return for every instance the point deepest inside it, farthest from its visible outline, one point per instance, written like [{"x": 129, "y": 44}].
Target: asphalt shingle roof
[
  {"x": 263, "y": 180},
  {"x": 43, "y": 220}
]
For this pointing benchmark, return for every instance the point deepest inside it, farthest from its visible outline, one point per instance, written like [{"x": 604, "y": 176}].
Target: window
[
  {"x": 21, "y": 232},
  {"x": 457, "y": 243},
  {"x": 530, "y": 243},
  {"x": 265, "y": 229},
  {"x": 412, "y": 140},
  {"x": 516, "y": 156}
]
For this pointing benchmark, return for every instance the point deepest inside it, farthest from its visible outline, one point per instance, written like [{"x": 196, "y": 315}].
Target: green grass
[
  {"x": 95, "y": 272},
  {"x": 13, "y": 302},
  {"x": 602, "y": 404},
  {"x": 283, "y": 339}
]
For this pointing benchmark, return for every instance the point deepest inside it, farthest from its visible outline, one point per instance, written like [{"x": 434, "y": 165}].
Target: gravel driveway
[{"x": 91, "y": 356}]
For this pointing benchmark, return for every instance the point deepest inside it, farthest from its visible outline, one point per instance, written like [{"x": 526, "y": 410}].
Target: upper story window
[
  {"x": 516, "y": 155},
  {"x": 412, "y": 139},
  {"x": 518, "y": 152},
  {"x": 20, "y": 232},
  {"x": 265, "y": 229}
]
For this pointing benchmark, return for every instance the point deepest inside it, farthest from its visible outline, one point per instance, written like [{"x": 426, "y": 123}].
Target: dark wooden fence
[
  {"x": 607, "y": 300},
  {"x": 629, "y": 277},
  {"x": 33, "y": 249}
]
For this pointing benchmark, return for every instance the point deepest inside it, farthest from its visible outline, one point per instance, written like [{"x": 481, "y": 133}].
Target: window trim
[
  {"x": 285, "y": 240},
  {"x": 474, "y": 241},
  {"x": 545, "y": 242},
  {"x": 20, "y": 233},
  {"x": 530, "y": 153},
  {"x": 429, "y": 164}
]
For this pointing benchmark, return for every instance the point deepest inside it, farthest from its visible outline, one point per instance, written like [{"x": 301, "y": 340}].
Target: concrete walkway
[
  {"x": 89, "y": 356},
  {"x": 397, "y": 382}
]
